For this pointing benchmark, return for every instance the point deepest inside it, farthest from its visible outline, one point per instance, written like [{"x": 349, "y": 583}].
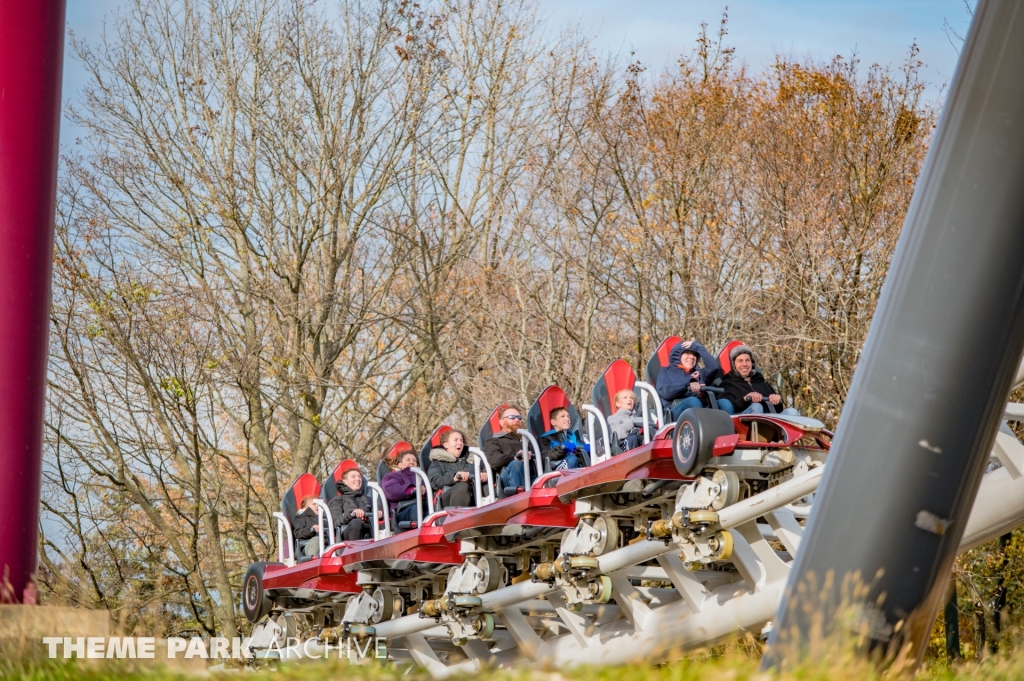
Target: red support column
[{"x": 31, "y": 61}]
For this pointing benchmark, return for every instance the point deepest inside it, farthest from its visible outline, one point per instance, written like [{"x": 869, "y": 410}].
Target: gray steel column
[{"x": 938, "y": 362}]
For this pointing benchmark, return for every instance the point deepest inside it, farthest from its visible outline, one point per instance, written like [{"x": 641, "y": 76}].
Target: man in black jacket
[
  {"x": 746, "y": 391},
  {"x": 504, "y": 451}
]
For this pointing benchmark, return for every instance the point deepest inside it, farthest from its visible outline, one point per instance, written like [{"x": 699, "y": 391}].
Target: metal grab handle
[
  {"x": 321, "y": 511},
  {"x": 434, "y": 517},
  {"x": 594, "y": 414},
  {"x": 378, "y": 491},
  {"x": 548, "y": 476},
  {"x": 419, "y": 496},
  {"x": 766, "y": 404},
  {"x": 645, "y": 390},
  {"x": 283, "y": 526},
  {"x": 528, "y": 437},
  {"x": 478, "y": 460}
]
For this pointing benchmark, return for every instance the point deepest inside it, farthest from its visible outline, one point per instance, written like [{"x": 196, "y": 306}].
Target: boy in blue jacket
[
  {"x": 681, "y": 383},
  {"x": 559, "y": 444}
]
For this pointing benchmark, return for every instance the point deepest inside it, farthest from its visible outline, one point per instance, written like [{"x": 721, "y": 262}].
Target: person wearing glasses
[{"x": 504, "y": 451}]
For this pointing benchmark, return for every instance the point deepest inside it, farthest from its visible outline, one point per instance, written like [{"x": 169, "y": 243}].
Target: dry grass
[{"x": 731, "y": 664}]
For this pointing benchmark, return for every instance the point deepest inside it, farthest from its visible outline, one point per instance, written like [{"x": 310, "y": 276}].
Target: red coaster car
[{"x": 296, "y": 582}]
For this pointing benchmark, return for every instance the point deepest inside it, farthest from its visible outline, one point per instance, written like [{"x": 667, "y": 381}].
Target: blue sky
[{"x": 880, "y": 31}]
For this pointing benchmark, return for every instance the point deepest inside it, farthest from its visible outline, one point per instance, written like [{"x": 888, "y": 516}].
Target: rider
[
  {"x": 400, "y": 485},
  {"x": 306, "y": 527},
  {"x": 451, "y": 467},
  {"x": 681, "y": 383},
  {"x": 504, "y": 451},
  {"x": 623, "y": 424},
  {"x": 746, "y": 391},
  {"x": 351, "y": 508},
  {"x": 560, "y": 444}
]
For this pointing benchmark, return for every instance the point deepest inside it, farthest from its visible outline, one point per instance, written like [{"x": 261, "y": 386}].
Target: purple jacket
[{"x": 398, "y": 486}]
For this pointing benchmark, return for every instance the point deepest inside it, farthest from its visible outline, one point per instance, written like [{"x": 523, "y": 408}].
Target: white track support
[
  {"x": 711, "y": 606},
  {"x": 1009, "y": 451},
  {"x": 423, "y": 655},
  {"x": 524, "y": 634},
  {"x": 480, "y": 652},
  {"x": 998, "y": 508},
  {"x": 692, "y": 590},
  {"x": 579, "y": 625},
  {"x": 630, "y": 602},
  {"x": 786, "y": 528}
]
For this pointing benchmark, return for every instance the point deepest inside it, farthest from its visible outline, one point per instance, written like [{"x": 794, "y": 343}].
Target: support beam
[
  {"x": 525, "y": 636},
  {"x": 423, "y": 655},
  {"x": 577, "y": 623},
  {"x": 31, "y": 62},
  {"x": 917, "y": 431},
  {"x": 630, "y": 601}
]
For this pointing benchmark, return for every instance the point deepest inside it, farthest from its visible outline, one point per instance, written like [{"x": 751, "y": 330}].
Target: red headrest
[
  {"x": 495, "y": 421},
  {"x": 305, "y": 486},
  {"x": 344, "y": 467},
  {"x": 618, "y": 376},
  {"x": 665, "y": 349},
  {"x": 397, "y": 450},
  {"x": 435, "y": 439},
  {"x": 492, "y": 425},
  {"x": 723, "y": 356},
  {"x": 552, "y": 398},
  {"x": 660, "y": 358}
]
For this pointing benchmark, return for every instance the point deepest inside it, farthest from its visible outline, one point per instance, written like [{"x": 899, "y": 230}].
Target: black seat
[
  {"x": 306, "y": 485},
  {"x": 330, "y": 489},
  {"x": 538, "y": 419},
  {"x": 657, "y": 362},
  {"x": 396, "y": 452},
  {"x": 659, "y": 359},
  {"x": 491, "y": 427},
  {"x": 617, "y": 376},
  {"x": 433, "y": 442}
]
